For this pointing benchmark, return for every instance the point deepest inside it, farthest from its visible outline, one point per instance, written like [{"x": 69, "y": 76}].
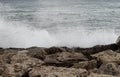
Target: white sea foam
[
  {"x": 21, "y": 36},
  {"x": 18, "y": 34}
]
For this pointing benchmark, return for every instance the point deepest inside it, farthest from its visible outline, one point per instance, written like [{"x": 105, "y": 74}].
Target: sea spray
[
  {"x": 15, "y": 35},
  {"x": 55, "y": 27}
]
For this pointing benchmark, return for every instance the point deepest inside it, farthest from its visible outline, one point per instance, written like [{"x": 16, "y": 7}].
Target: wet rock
[
  {"x": 118, "y": 41},
  {"x": 96, "y": 49},
  {"x": 50, "y": 71},
  {"x": 86, "y": 64},
  {"x": 108, "y": 56},
  {"x": 68, "y": 49},
  {"x": 54, "y": 50},
  {"x": 109, "y": 69},
  {"x": 37, "y": 52},
  {"x": 1, "y": 51},
  {"x": 118, "y": 51},
  {"x": 13, "y": 50},
  {"x": 64, "y": 58}
]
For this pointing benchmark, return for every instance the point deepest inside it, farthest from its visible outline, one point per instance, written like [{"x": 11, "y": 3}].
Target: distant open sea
[{"x": 45, "y": 23}]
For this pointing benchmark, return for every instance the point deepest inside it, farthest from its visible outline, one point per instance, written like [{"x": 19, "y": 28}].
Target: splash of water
[{"x": 17, "y": 34}]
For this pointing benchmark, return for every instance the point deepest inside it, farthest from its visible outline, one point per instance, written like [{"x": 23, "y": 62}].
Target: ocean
[{"x": 46, "y": 23}]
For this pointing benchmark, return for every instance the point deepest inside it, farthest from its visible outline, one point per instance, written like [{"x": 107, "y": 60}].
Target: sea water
[{"x": 46, "y": 23}]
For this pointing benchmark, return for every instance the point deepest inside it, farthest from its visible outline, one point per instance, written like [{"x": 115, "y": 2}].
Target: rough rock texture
[
  {"x": 86, "y": 64},
  {"x": 19, "y": 64},
  {"x": 108, "y": 56},
  {"x": 118, "y": 41},
  {"x": 51, "y": 71},
  {"x": 39, "y": 53},
  {"x": 64, "y": 58},
  {"x": 109, "y": 69},
  {"x": 97, "y": 61},
  {"x": 100, "y": 75}
]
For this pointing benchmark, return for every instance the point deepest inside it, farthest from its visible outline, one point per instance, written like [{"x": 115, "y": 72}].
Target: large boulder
[
  {"x": 20, "y": 64},
  {"x": 37, "y": 52},
  {"x": 50, "y": 71},
  {"x": 109, "y": 69},
  {"x": 96, "y": 49},
  {"x": 108, "y": 56},
  {"x": 64, "y": 58},
  {"x": 23, "y": 58}
]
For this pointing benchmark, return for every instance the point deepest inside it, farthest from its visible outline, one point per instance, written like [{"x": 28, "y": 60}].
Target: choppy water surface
[{"x": 84, "y": 23}]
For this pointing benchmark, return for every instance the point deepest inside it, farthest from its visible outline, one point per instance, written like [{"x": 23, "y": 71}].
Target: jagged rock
[
  {"x": 24, "y": 59},
  {"x": 86, "y": 64},
  {"x": 109, "y": 69},
  {"x": 65, "y": 58},
  {"x": 108, "y": 56},
  {"x": 60, "y": 62},
  {"x": 54, "y": 50},
  {"x": 50, "y": 71},
  {"x": 100, "y": 75},
  {"x": 96, "y": 49},
  {"x": 6, "y": 57},
  {"x": 70, "y": 57},
  {"x": 1, "y": 51},
  {"x": 2, "y": 67},
  {"x": 118, "y": 41},
  {"x": 13, "y": 70},
  {"x": 37, "y": 52},
  {"x": 94, "y": 70},
  {"x": 118, "y": 51},
  {"x": 21, "y": 63},
  {"x": 12, "y": 50},
  {"x": 68, "y": 49}
]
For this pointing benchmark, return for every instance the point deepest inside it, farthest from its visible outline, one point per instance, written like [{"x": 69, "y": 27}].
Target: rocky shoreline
[{"x": 97, "y": 61}]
